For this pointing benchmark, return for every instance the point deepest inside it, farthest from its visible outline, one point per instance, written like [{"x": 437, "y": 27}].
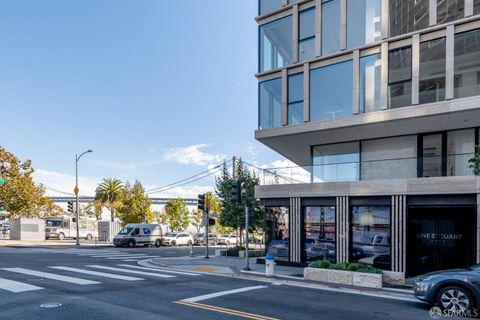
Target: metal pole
[
  {"x": 206, "y": 232},
  {"x": 76, "y": 196},
  {"x": 247, "y": 255},
  {"x": 234, "y": 164}
]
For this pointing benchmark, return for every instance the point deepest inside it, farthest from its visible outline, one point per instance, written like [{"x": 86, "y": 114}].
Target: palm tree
[{"x": 108, "y": 193}]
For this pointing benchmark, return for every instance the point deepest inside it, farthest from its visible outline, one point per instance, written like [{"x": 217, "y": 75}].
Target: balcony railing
[{"x": 398, "y": 168}]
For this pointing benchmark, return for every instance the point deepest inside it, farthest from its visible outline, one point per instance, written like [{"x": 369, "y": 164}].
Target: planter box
[
  {"x": 251, "y": 253},
  {"x": 221, "y": 252},
  {"x": 360, "y": 279}
]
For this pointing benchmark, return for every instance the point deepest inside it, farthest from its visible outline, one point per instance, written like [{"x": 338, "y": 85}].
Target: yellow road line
[{"x": 225, "y": 310}]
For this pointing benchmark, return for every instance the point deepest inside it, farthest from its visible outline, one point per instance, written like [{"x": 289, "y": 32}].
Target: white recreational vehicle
[{"x": 66, "y": 227}]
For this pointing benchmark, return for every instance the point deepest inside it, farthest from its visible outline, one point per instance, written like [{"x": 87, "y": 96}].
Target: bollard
[
  {"x": 191, "y": 250},
  {"x": 270, "y": 265}
]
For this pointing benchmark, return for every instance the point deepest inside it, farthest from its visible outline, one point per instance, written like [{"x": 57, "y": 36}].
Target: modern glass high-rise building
[{"x": 378, "y": 104}]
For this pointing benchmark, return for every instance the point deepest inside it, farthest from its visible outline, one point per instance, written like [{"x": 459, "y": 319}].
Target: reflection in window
[
  {"x": 460, "y": 148},
  {"x": 476, "y": 6},
  {"x": 331, "y": 91},
  {"x": 270, "y": 104},
  {"x": 330, "y": 26},
  {"x": 449, "y": 10},
  {"x": 276, "y": 232},
  {"x": 266, "y": 6},
  {"x": 320, "y": 233},
  {"x": 370, "y": 83},
  {"x": 276, "y": 44},
  {"x": 364, "y": 22},
  {"x": 407, "y": 16},
  {"x": 466, "y": 65},
  {"x": 306, "y": 38},
  {"x": 432, "y": 155},
  {"x": 371, "y": 241},
  {"x": 400, "y": 77},
  {"x": 295, "y": 98},
  {"x": 432, "y": 71},
  {"x": 336, "y": 162}
]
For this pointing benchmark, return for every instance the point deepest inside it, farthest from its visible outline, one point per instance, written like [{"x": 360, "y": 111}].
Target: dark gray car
[{"x": 455, "y": 291}]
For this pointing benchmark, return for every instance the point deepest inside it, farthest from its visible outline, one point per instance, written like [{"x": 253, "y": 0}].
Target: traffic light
[
  {"x": 236, "y": 192},
  {"x": 201, "y": 202},
  {"x": 70, "y": 206},
  {"x": 211, "y": 221}
]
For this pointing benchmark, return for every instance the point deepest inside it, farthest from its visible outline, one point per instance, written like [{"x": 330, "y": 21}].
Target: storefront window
[
  {"x": 330, "y": 26},
  {"x": 370, "y": 228},
  {"x": 450, "y": 10},
  {"x": 407, "y": 16},
  {"x": 277, "y": 232},
  {"x": 320, "y": 233},
  {"x": 466, "y": 66},
  {"x": 432, "y": 71},
  {"x": 276, "y": 44},
  {"x": 270, "y": 104},
  {"x": 336, "y": 162},
  {"x": 370, "y": 83},
  {"x": 400, "y": 77},
  {"x": 295, "y": 98},
  {"x": 460, "y": 148},
  {"x": 364, "y": 22},
  {"x": 306, "y": 37}
]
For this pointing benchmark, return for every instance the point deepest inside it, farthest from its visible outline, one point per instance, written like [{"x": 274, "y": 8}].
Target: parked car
[
  {"x": 139, "y": 234},
  {"x": 199, "y": 239},
  {"x": 227, "y": 239},
  {"x": 178, "y": 239},
  {"x": 454, "y": 291}
]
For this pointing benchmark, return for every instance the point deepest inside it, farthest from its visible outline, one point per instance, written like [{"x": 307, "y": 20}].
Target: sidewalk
[{"x": 46, "y": 243}]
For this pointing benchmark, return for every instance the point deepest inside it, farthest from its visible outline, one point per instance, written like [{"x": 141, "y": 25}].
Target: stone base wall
[{"x": 369, "y": 280}]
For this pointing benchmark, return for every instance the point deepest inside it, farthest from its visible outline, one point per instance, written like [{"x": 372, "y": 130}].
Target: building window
[
  {"x": 432, "y": 71},
  {"x": 466, "y": 65},
  {"x": 460, "y": 148},
  {"x": 320, "y": 233},
  {"x": 331, "y": 91},
  {"x": 389, "y": 158},
  {"x": 370, "y": 83},
  {"x": 432, "y": 153},
  {"x": 363, "y": 22},
  {"x": 450, "y": 10},
  {"x": 476, "y": 6},
  {"x": 370, "y": 228},
  {"x": 277, "y": 232},
  {"x": 295, "y": 98},
  {"x": 276, "y": 44},
  {"x": 407, "y": 16},
  {"x": 400, "y": 77},
  {"x": 306, "y": 37},
  {"x": 330, "y": 26},
  {"x": 270, "y": 104},
  {"x": 336, "y": 162},
  {"x": 266, "y": 6}
]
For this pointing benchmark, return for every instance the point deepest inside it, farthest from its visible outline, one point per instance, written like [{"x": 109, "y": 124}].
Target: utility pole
[
  {"x": 234, "y": 165},
  {"x": 76, "y": 190},
  {"x": 247, "y": 255},
  {"x": 206, "y": 232}
]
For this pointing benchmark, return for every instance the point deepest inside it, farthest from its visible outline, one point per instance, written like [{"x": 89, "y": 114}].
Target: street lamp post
[{"x": 77, "y": 158}]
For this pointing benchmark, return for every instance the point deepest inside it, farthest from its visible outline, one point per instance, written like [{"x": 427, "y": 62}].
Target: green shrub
[
  {"x": 339, "y": 266},
  {"x": 322, "y": 264},
  {"x": 354, "y": 266}
]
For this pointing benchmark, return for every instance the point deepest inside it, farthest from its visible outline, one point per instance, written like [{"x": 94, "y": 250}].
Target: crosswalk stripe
[
  {"x": 160, "y": 269},
  {"x": 97, "y": 273},
  {"x": 119, "y": 255},
  {"x": 52, "y": 276},
  {"x": 132, "y": 271},
  {"x": 16, "y": 287},
  {"x": 130, "y": 257},
  {"x": 98, "y": 253}
]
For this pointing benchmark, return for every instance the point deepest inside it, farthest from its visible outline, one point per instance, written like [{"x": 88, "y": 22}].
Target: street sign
[
  {"x": 2, "y": 181},
  {"x": 75, "y": 190}
]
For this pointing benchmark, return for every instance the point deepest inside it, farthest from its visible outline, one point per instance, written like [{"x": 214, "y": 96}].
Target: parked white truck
[
  {"x": 66, "y": 227},
  {"x": 139, "y": 234}
]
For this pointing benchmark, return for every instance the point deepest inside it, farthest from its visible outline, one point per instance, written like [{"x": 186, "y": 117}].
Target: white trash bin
[{"x": 269, "y": 266}]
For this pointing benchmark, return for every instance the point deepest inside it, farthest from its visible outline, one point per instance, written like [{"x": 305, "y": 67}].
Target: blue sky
[{"x": 158, "y": 89}]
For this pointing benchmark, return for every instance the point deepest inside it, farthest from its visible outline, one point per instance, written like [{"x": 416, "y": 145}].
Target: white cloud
[
  {"x": 282, "y": 172},
  {"x": 65, "y": 183},
  {"x": 193, "y": 155}
]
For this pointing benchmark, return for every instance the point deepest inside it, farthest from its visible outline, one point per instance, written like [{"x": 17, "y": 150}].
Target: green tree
[
  {"x": 108, "y": 193},
  {"x": 21, "y": 197},
  {"x": 134, "y": 205},
  {"x": 475, "y": 161},
  {"x": 177, "y": 216},
  {"x": 196, "y": 218},
  {"x": 212, "y": 203}
]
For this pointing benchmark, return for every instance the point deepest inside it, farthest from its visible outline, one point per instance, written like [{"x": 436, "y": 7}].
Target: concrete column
[
  {"x": 343, "y": 24},
  {"x": 318, "y": 28},
  {"x": 384, "y": 76},
  {"x": 295, "y": 33},
  {"x": 449, "y": 74},
  {"x": 385, "y": 18},
  {"x": 356, "y": 82},
  {"x": 415, "y": 67},
  {"x": 468, "y": 8},
  {"x": 432, "y": 15},
  {"x": 306, "y": 92},
  {"x": 284, "y": 97}
]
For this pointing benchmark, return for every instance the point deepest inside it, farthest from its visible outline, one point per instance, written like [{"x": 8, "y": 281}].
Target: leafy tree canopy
[
  {"x": 176, "y": 215},
  {"x": 134, "y": 205},
  {"x": 108, "y": 193}
]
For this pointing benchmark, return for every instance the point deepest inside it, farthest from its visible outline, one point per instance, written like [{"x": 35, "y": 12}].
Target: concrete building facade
[{"x": 378, "y": 104}]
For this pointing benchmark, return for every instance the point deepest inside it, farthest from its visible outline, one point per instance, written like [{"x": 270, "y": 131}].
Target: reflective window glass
[
  {"x": 295, "y": 98},
  {"x": 400, "y": 77},
  {"x": 370, "y": 83},
  {"x": 407, "y": 16},
  {"x": 320, "y": 233},
  {"x": 266, "y": 6},
  {"x": 277, "y": 232},
  {"x": 363, "y": 22},
  {"x": 476, "y": 6},
  {"x": 276, "y": 44},
  {"x": 306, "y": 39},
  {"x": 331, "y": 91},
  {"x": 460, "y": 148},
  {"x": 330, "y": 26},
  {"x": 336, "y": 162},
  {"x": 467, "y": 64},
  {"x": 432, "y": 155},
  {"x": 270, "y": 103},
  {"x": 432, "y": 71},
  {"x": 449, "y": 10}
]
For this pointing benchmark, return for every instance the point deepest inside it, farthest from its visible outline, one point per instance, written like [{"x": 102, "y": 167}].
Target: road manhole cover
[{"x": 51, "y": 305}]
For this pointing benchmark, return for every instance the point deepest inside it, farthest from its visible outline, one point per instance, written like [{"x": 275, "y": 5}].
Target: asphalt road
[{"x": 107, "y": 283}]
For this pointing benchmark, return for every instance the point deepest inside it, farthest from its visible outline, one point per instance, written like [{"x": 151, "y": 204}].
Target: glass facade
[
  {"x": 295, "y": 98},
  {"x": 336, "y": 162},
  {"x": 400, "y": 77},
  {"x": 330, "y": 26},
  {"x": 460, "y": 148},
  {"x": 476, "y": 6},
  {"x": 277, "y": 232},
  {"x": 370, "y": 232},
  {"x": 266, "y": 6},
  {"x": 270, "y": 104},
  {"x": 467, "y": 64},
  {"x": 331, "y": 91},
  {"x": 432, "y": 71},
  {"x": 275, "y": 45},
  {"x": 449, "y": 10},
  {"x": 320, "y": 233},
  {"x": 370, "y": 81},
  {"x": 364, "y": 22},
  {"x": 306, "y": 37},
  {"x": 407, "y": 16},
  {"x": 432, "y": 151}
]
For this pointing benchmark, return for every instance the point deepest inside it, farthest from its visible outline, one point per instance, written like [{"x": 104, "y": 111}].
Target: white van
[{"x": 139, "y": 234}]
